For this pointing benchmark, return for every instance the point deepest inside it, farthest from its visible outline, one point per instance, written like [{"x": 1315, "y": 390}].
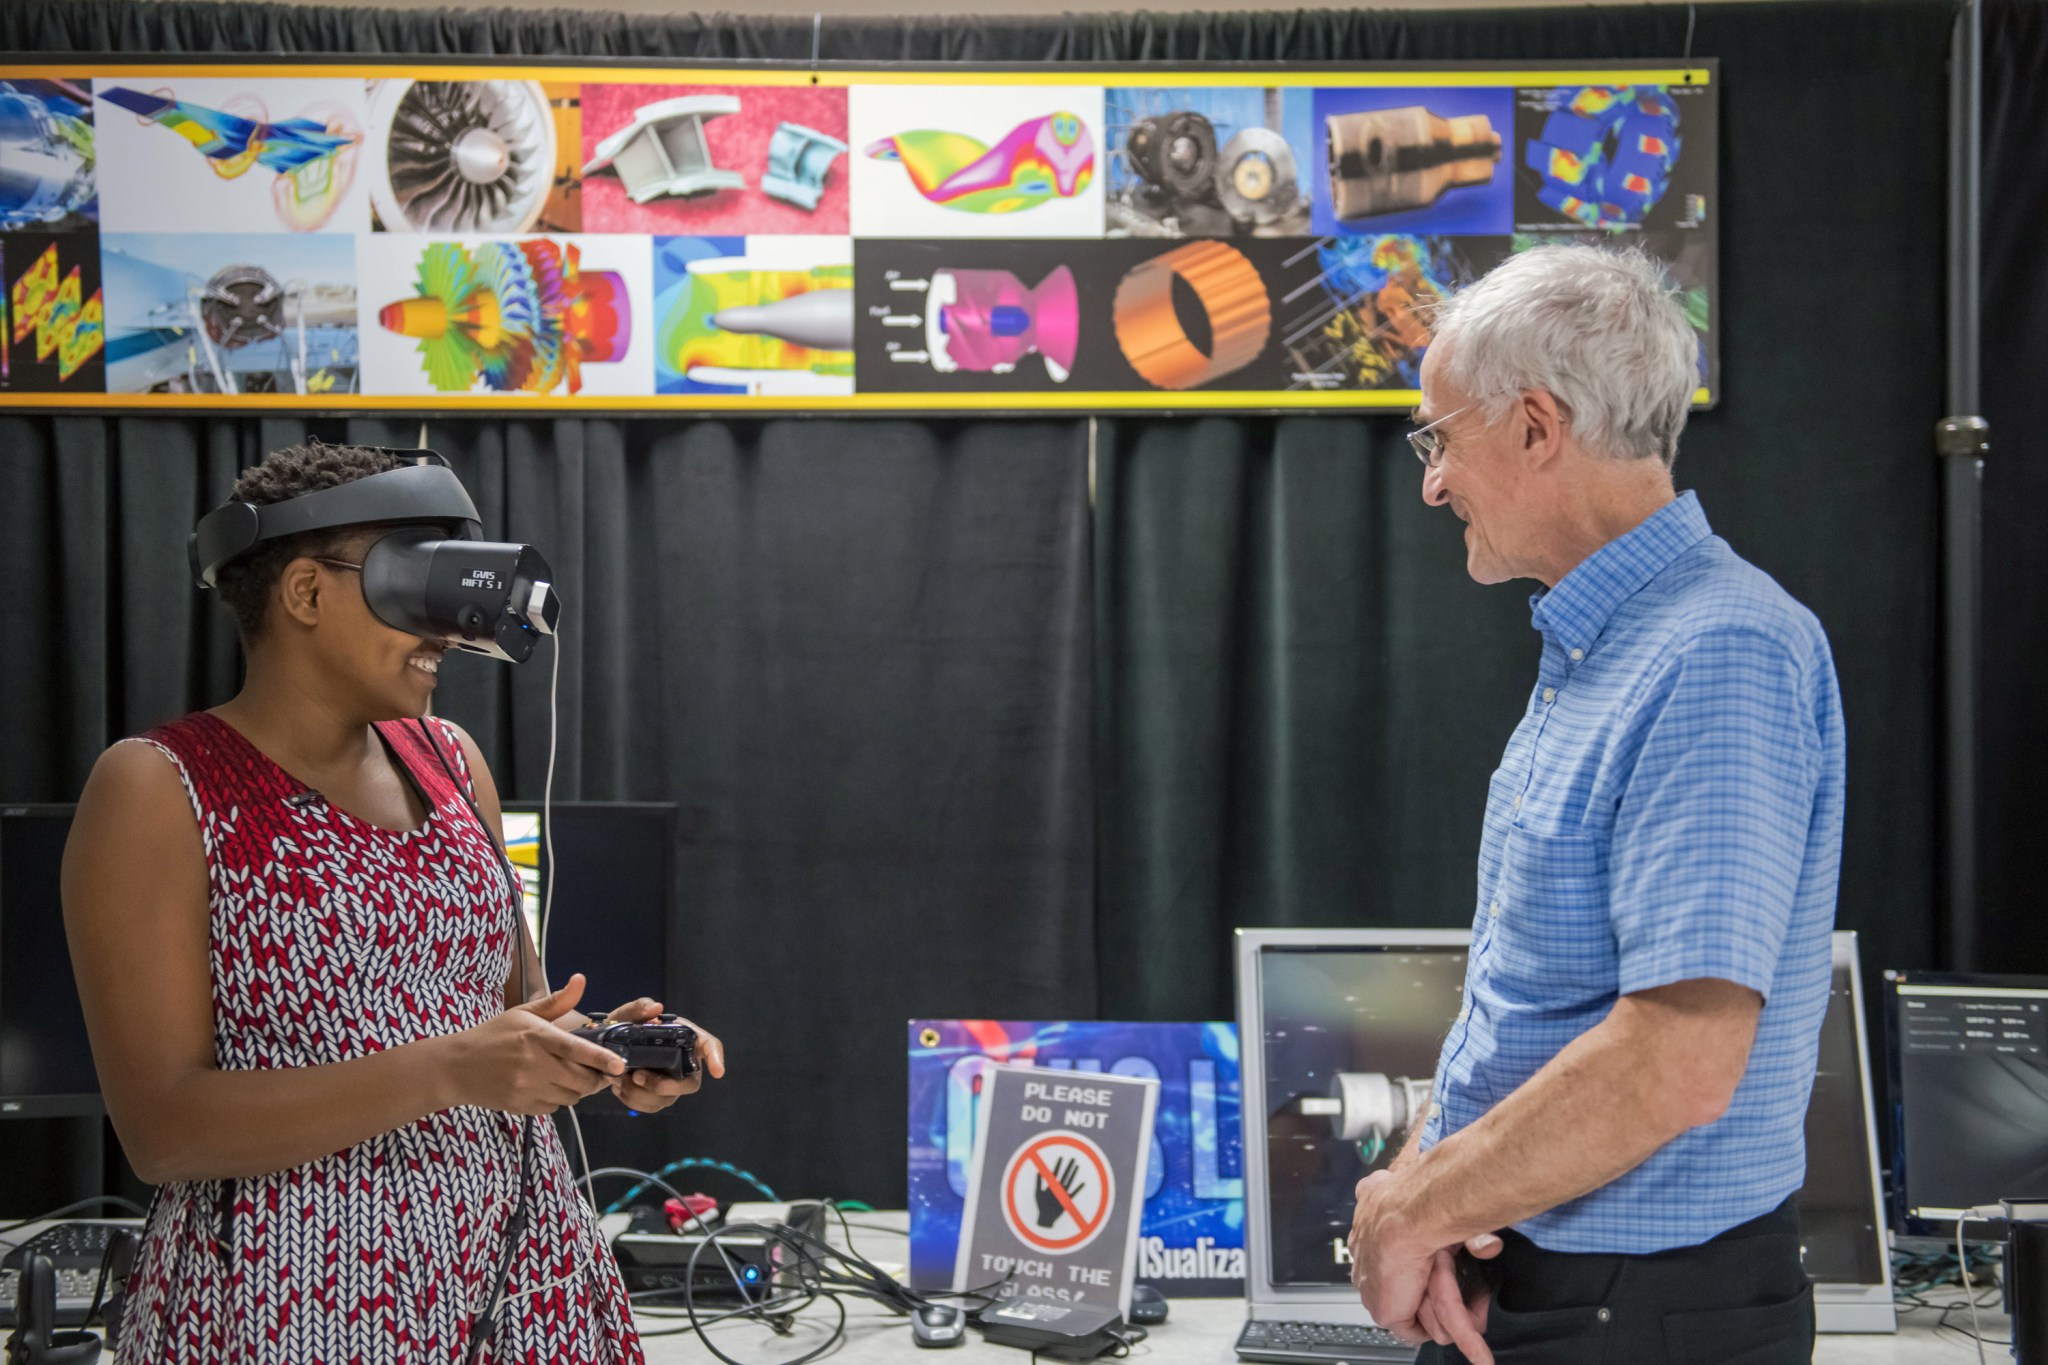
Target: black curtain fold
[
  {"x": 937, "y": 751},
  {"x": 2012, "y": 732}
]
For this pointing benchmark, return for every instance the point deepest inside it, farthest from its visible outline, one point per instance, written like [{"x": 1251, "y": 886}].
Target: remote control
[{"x": 666, "y": 1045}]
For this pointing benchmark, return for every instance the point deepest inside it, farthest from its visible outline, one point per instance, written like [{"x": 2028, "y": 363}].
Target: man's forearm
[
  {"x": 1596, "y": 1111},
  {"x": 1412, "y": 1148}
]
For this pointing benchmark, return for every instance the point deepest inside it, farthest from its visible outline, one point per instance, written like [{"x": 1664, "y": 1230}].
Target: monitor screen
[
  {"x": 1351, "y": 1037},
  {"x": 45, "y": 1061},
  {"x": 1969, "y": 1073},
  {"x": 1841, "y": 1234},
  {"x": 614, "y": 897}
]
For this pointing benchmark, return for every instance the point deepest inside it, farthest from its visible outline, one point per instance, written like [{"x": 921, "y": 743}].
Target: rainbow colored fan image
[
  {"x": 1606, "y": 154},
  {"x": 1051, "y": 157},
  {"x": 513, "y": 317}
]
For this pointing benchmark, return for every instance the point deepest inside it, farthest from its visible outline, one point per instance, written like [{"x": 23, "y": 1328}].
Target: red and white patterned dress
[{"x": 334, "y": 939}]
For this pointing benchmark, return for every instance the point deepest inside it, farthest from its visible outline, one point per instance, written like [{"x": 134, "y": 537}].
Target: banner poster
[
  {"x": 349, "y": 236},
  {"x": 1191, "y": 1240}
]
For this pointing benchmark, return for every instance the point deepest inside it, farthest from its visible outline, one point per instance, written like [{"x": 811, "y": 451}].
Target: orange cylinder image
[{"x": 1231, "y": 293}]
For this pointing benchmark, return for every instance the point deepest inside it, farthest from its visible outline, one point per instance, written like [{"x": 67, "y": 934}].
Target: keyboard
[
  {"x": 76, "y": 1250},
  {"x": 1321, "y": 1343}
]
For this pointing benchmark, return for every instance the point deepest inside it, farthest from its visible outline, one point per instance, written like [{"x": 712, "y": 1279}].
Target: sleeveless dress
[{"x": 334, "y": 939}]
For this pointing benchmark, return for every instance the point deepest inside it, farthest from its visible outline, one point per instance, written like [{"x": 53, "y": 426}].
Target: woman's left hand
[{"x": 649, "y": 1092}]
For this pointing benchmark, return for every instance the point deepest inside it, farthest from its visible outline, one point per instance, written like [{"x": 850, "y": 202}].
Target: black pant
[{"x": 1740, "y": 1299}]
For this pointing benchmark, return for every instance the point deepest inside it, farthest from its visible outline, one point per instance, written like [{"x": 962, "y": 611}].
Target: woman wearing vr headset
[{"x": 316, "y": 1014}]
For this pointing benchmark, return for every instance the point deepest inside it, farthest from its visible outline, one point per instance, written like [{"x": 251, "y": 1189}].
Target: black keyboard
[
  {"x": 76, "y": 1250},
  {"x": 1321, "y": 1343}
]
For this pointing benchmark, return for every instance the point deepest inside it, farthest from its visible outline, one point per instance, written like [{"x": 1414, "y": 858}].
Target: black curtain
[
  {"x": 859, "y": 654},
  {"x": 2013, "y": 733}
]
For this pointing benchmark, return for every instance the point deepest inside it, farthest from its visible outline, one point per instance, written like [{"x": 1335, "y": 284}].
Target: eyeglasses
[
  {"x": 336, "y": 563},
  {"x": 1428, "y": 443}
]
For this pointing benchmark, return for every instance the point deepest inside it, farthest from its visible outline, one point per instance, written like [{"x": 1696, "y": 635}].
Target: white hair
[{"x": 1601, "y": 331}]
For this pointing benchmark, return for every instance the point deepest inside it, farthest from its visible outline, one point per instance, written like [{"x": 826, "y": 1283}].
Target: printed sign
[
  {"x": 1191, "y": 1243},
  {"x": 348, "y": 235},
  {"x": 1052, "y": 1211}
]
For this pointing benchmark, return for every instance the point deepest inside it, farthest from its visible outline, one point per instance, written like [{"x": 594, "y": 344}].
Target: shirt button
[
  {"x": 1578, "y": 654},
  {"x": 1494, "y": 909},
  {"x": 1518, "y": 803},
  {"x": 1604, "y": 1315},
  {"x": 1549, "y": 695}
]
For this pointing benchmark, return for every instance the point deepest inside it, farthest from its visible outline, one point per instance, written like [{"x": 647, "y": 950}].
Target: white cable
[
  {"x": 547, "y": 905},
  {"x": 1982, "y": 1211}
]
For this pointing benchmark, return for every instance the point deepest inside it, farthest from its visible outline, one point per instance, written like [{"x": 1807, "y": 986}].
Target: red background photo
[{"x": 738, "y": 142}]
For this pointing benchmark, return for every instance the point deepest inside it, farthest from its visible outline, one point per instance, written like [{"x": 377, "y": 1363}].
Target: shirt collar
[{"x": 1577, "y": 609}]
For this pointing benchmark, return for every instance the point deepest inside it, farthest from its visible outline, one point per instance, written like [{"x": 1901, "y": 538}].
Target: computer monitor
[
  {"x": 1969, "y": 1091},
  {"x": 45, "y": 1062},
  {"x": 1339, "y": 1036},
  {"x": 1841, "y": 1207},
  {"x": 615, "y": 894}
]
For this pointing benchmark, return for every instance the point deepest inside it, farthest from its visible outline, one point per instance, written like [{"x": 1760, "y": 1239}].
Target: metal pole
[{"x": 1962, "y": 440}]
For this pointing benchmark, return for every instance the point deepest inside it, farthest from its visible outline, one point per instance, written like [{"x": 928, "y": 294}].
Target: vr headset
[{"x": 430, "y": 575}]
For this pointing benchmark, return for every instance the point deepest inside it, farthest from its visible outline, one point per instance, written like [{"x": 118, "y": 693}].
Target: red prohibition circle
[{"x": 1086, "y": 1231}]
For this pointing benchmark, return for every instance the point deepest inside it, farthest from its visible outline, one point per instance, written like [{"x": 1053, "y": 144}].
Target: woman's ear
[{"x": 298, "y": 590}]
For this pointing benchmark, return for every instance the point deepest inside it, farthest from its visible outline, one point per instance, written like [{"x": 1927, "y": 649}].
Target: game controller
[{"x": 666, "y": 1045}]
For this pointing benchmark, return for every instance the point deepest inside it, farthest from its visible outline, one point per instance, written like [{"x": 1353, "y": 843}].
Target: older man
[{"x": 1617, "y": 1123}]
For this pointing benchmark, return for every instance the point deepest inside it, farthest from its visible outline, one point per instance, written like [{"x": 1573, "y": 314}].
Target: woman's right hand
[{"x": 521, "y": 1063}]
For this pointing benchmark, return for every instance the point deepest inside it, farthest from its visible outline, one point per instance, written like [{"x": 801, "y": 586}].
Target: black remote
[{"x": 666, "y": 1045}]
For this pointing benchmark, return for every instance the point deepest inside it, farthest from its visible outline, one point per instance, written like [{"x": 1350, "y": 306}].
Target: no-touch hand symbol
[{"x": 1057, "y": 1192}]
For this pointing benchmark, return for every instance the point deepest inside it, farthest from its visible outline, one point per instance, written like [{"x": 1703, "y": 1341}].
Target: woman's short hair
[
  {"x": 1603, "y": 331},
  {"x": 245, "y": 584}
]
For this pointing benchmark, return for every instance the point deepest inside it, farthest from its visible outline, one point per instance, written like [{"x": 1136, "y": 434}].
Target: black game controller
[{"x": 666, "y": 1045}]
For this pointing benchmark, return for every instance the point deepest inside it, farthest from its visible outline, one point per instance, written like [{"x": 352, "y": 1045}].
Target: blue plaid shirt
[{"x": 1669, "y": 808}]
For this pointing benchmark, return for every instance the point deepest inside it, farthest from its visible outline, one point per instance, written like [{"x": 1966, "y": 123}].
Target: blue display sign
[{"x": 1191, "y": 1242}]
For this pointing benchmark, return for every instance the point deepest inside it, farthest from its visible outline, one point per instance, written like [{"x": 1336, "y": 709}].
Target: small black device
[
  {"x": 1148, "y": 1305},
  {"x": 938, "y": 1325},
  {"x": 666, "y": 1045},
  {"x": 1340, "y": 1343},
  {"x": 1059, "y": 1331},
  {"x": 431, "y": 575},
  {"x": 658, "y": 1263},
  {"x": 36, "y": 1339}
]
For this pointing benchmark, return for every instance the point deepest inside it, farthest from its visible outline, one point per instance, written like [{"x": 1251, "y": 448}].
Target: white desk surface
[{"x": 1198, "y": 1331}]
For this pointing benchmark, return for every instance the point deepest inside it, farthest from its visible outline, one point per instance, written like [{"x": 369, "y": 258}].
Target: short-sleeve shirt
[{"x": 1668, "y": 809}]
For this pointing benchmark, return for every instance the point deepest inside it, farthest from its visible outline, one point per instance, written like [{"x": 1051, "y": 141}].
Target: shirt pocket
[{"x": 1552, "y": 942}]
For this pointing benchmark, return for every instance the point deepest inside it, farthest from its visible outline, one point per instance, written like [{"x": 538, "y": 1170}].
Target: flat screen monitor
[
  {"x": 1841, "y": 1207},
  {"x": 615, "y": 894},
  {"x": 1340, "y": 1033},
  {"x": 45, "y": 1062},
  {"x": 1969, "y": 1092}
]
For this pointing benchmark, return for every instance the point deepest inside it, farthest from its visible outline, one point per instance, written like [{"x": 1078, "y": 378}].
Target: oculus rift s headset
[{"x": 431, "y": 575}]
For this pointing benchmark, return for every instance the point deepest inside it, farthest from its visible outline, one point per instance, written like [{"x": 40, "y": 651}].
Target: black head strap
[{"x": 425, "y": 490}]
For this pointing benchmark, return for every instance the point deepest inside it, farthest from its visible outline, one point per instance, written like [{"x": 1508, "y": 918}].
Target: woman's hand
[
  {"x": 649, "y": 1092},
  {"x": 526, "y": 1062}
]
